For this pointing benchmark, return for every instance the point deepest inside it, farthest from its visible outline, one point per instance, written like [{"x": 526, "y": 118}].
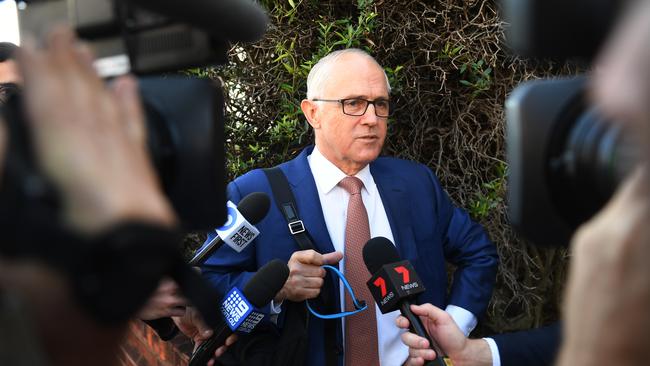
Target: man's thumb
[{"x": 332, "y": 258}]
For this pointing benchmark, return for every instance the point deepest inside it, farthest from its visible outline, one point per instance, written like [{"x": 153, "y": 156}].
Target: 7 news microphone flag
[{"x": 393, "y": 284}]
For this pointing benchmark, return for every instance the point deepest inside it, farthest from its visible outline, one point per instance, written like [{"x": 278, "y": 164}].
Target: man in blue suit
[{"x": 347, "y": 105}]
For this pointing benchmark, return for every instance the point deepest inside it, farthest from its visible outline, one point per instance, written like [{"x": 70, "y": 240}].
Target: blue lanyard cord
[{"x": 359, "y": 305}]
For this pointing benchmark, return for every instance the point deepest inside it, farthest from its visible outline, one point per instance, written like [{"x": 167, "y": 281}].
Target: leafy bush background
[{"x": 450, "y": 71}]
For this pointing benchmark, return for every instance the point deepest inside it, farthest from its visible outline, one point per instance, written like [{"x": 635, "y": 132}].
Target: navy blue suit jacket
[
  {"x": 427, "y": 229},
  {"x": 534, "y": 347}
]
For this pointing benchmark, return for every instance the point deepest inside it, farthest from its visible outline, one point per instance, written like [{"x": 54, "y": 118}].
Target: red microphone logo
[
  {"x": 406, "y": 275},
  {"x": 379, "y": 282}
]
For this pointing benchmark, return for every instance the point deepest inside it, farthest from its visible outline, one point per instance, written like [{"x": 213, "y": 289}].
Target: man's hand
[
  {"x": 165, "y": 302},
  {"x": 443, "y": 329},
  {"x": 608, "y": 292},
  {"x": 221, "y": 350},
  {"x": 192, "y": 325},
  {"x": 306, "y": 277}
]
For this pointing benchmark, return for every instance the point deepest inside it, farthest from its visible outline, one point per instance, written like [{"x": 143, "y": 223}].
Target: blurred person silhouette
[
  {"x": 89, "y": 140},
  {"x": 605, "y": 318},
  {"x": 167, "y": 301}
]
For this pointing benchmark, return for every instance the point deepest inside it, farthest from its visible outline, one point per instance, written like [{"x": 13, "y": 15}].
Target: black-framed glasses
[{"x": 359, "y": 106}]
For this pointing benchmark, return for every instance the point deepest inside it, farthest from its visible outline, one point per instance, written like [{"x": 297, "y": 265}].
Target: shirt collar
[{"x": 327, "y": 175}]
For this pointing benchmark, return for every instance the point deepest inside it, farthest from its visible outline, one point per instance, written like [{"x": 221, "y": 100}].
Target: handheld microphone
[
  {"x": 393, "y": 283},
  {"x": 239, "y": 309},
  {"x": 238, "y": 231}
]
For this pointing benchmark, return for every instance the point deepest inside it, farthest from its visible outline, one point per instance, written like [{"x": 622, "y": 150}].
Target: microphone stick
[{"x": 416, "y": 326}]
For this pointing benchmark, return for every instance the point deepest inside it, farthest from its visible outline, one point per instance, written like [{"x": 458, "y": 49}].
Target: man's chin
[{"x": 369, "y": 155}]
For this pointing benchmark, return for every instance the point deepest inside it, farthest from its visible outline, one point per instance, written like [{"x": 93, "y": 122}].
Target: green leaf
[
  {"x": 286, "y": 87},
  {"x": 288, "y": 67},
  {"x": 281, "y": 57}
]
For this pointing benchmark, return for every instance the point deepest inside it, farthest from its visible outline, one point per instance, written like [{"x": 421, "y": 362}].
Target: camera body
[
  {"x": 184, "y": 115},
  {"x": 565, "y": 160},
  {"x": 127, "y": 37},
  {"x": 559, "y": 29}
]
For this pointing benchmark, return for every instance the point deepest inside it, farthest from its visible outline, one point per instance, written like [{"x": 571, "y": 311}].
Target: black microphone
[
  {"x": 238, "y": 231},
  {"x": 393, "y": 283},
  {"x": 234, "y": 20},
  {"x": 236, "y": 308}
]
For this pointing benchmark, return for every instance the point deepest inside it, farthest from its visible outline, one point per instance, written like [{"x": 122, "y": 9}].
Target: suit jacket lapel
[{"x": 393, "y": 191}]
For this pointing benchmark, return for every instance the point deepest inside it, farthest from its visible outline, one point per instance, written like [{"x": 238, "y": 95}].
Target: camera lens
[
  {"x": 585, "y": 170},
  {"x": 565, "y": 159}
]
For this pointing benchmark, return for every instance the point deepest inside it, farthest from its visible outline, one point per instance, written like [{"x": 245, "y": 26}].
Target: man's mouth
[{"x": 368, "y": 137}]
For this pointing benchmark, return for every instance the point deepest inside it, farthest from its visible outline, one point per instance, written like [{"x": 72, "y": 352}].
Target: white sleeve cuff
[
  {"x": 496, "y": 359},
  {"x": 465, "y": 320},
  {"x": 276, "y": 308}
]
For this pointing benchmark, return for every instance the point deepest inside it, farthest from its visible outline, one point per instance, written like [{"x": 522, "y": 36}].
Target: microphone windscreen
[
  {"x": 254, "y": 206},
  {"x": 379, "y": 251},
  {"x": 234, "y": 20},
  {"x": 266, "y": 283}
]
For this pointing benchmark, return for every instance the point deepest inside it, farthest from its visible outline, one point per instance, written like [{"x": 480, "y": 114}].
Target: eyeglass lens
[{"x": 358, "y": 107}]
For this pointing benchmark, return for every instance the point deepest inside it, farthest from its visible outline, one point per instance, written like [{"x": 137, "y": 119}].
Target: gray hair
[{"x": 319, "y": 73}]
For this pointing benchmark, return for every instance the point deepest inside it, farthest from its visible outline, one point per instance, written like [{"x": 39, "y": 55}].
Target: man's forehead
[
  {"x": 356, "y": 77},
  {"x": 352, "y": 63}
]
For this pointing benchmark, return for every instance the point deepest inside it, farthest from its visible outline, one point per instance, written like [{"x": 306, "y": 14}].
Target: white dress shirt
[
  {"x": 494, "y": 349},
  {"x": 334, "y": 202}
]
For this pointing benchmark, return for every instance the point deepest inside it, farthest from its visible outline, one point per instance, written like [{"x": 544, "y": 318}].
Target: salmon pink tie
[{"x": 361, "y": 328}]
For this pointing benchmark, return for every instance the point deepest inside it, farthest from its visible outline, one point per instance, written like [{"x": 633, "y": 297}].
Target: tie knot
[{"x": 352, "y": 185}]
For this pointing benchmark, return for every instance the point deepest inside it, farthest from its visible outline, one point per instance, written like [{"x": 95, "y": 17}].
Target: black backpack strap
[{"x": 287, "y": 204}]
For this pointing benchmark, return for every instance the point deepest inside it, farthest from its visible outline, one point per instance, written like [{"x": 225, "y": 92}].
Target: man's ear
[{"x": 310, "y": 109}]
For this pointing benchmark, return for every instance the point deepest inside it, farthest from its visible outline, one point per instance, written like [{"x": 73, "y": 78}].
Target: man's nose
[{"x": 370, "y": 117}]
